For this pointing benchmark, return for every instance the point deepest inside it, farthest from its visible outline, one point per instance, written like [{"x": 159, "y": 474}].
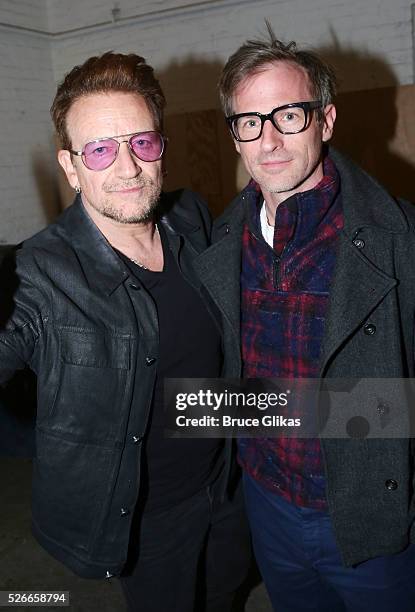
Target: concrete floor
[{"x": 24, "y": 565}]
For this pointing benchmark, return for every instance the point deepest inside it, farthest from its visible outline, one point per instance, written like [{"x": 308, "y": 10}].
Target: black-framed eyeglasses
[
  {"x": 102, "y": 153},
  {"x": 288, "y": 119}
]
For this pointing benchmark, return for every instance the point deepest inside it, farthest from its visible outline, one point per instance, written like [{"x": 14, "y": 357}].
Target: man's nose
[
  {"x": 127, "y": 164},
  {"x": 271, "y": 138}
]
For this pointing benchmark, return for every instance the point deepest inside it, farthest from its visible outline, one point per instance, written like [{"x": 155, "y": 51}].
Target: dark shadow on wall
[
  {"x": 374, "y": 126},
  {"x": 46, "y": 177}
]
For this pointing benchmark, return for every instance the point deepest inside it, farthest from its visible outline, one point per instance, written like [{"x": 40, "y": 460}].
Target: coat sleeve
[
  {"x": 197, "y": 211},
  {"x": 205, "y": 215},
  {"x": 192, "y": 208},
  {"x": 21, "y": 317}
]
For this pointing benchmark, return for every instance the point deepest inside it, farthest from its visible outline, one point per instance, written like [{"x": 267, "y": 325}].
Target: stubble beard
[
  {"x": 147, "y": 202},
  {"x": 285, "y": 184}
]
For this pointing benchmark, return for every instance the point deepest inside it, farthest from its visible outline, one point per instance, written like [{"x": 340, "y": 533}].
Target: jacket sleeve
[
  {"x": 192, "y": 207},
  {"x": 204, "y": 214},
  {"x": 21, "y": 317}
]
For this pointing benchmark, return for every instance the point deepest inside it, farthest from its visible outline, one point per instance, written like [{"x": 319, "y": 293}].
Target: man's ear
[
  {"x": 329, "y": 118},
  {"x": 65, "y": 161},
  {"x": 237, "y": 145}
]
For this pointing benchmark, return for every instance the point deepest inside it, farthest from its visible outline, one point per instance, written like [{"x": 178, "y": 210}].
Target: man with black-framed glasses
[
  {"x": 105, "y": 305},
  {"x": 310, "y": 272}
]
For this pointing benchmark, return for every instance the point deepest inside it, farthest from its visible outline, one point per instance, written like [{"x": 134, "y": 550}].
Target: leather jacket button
[
  {"x": 227, "y": 229},
  {"x": 150, "y": 360},
  {"x": 124, "y": 511},
  {"x": 391, "y": 484},
  {"x": 135, "y": 287},
  {"x": 359, "y": 243},
  {"x": 109, "y": 575},
  {"x": 136, "y": 439},
  {"x": 369, "y": 329}
]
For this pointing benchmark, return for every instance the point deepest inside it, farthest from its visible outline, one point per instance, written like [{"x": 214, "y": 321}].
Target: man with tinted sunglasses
[
  {"x": 311, "y": 272},
  {"x": 106, "y": 305}
]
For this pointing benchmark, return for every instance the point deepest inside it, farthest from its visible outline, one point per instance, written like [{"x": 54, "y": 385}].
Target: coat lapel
[
  {"x": 219, "y": 269},
  {"x": 358, "y": 286}
]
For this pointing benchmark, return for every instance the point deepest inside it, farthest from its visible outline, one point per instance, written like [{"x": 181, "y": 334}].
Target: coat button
[
  {"x": 124, "y": 512},
  {"x": 227, "y": 229},
  {"x": 150, "y": 360},
  {"x": 359, "y": 243},
  {"x": 369, "y": 329},
  {"x": 391, "y": 484},
  {"x": 108, "y": 575},
  {"x": 383, "y": 409},
  {"x": 136, "y": 439},
  {"x": 135, "y": 287}
]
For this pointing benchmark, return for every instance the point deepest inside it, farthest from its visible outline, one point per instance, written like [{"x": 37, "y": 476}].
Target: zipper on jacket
[
  {"x": 276, "y": 271},
  {"x": 276, "y": 262}
]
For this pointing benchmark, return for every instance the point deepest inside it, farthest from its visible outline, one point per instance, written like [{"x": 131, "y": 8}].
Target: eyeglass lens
[
  {"x": 147, "y": 146},
  {"x": 288, "y": 120}
]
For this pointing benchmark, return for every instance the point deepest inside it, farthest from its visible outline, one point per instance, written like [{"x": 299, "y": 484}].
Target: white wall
[
  {"x": 67, "y": 14},
  {"x": 24, "y": 13},
  {"x": 27, "y": 173},
  {"x": 187, "y": 41}
]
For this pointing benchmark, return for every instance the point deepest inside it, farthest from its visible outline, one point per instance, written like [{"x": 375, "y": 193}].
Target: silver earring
[{"x": 78, "y": 189}]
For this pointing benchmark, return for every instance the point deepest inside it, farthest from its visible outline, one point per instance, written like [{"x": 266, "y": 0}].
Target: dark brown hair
[
  {"x": 105, "y": 73},
  {"x": 253, "y": 56}
]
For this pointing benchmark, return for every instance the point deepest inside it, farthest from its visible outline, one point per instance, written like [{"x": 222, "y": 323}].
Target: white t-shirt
[{"x": 266, "y": 228}]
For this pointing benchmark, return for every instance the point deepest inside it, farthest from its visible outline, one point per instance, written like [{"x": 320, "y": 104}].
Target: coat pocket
[
  {"x": 94, "y": 373},
  {"x": 70, "y": 485},
  {"x": 97, "y": 350}
]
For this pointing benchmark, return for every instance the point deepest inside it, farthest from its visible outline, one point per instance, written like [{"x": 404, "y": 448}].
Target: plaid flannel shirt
[{"x": 284, "y": 294}]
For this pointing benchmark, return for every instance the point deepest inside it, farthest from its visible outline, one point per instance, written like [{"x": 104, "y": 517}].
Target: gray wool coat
[{"x": 369, "y": 481}]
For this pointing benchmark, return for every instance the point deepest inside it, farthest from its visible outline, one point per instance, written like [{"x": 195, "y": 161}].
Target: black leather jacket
[{"x": 64, "y": 322}]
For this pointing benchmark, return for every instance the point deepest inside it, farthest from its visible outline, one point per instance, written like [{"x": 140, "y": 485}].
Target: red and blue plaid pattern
[{"x": 285, "y": 294}]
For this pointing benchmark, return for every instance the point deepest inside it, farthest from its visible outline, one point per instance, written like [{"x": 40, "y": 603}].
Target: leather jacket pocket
[{"x": 94, "y": 374}]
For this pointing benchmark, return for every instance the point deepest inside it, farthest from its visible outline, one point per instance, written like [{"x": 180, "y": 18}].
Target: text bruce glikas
[{"x": 217, "y": 401}]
